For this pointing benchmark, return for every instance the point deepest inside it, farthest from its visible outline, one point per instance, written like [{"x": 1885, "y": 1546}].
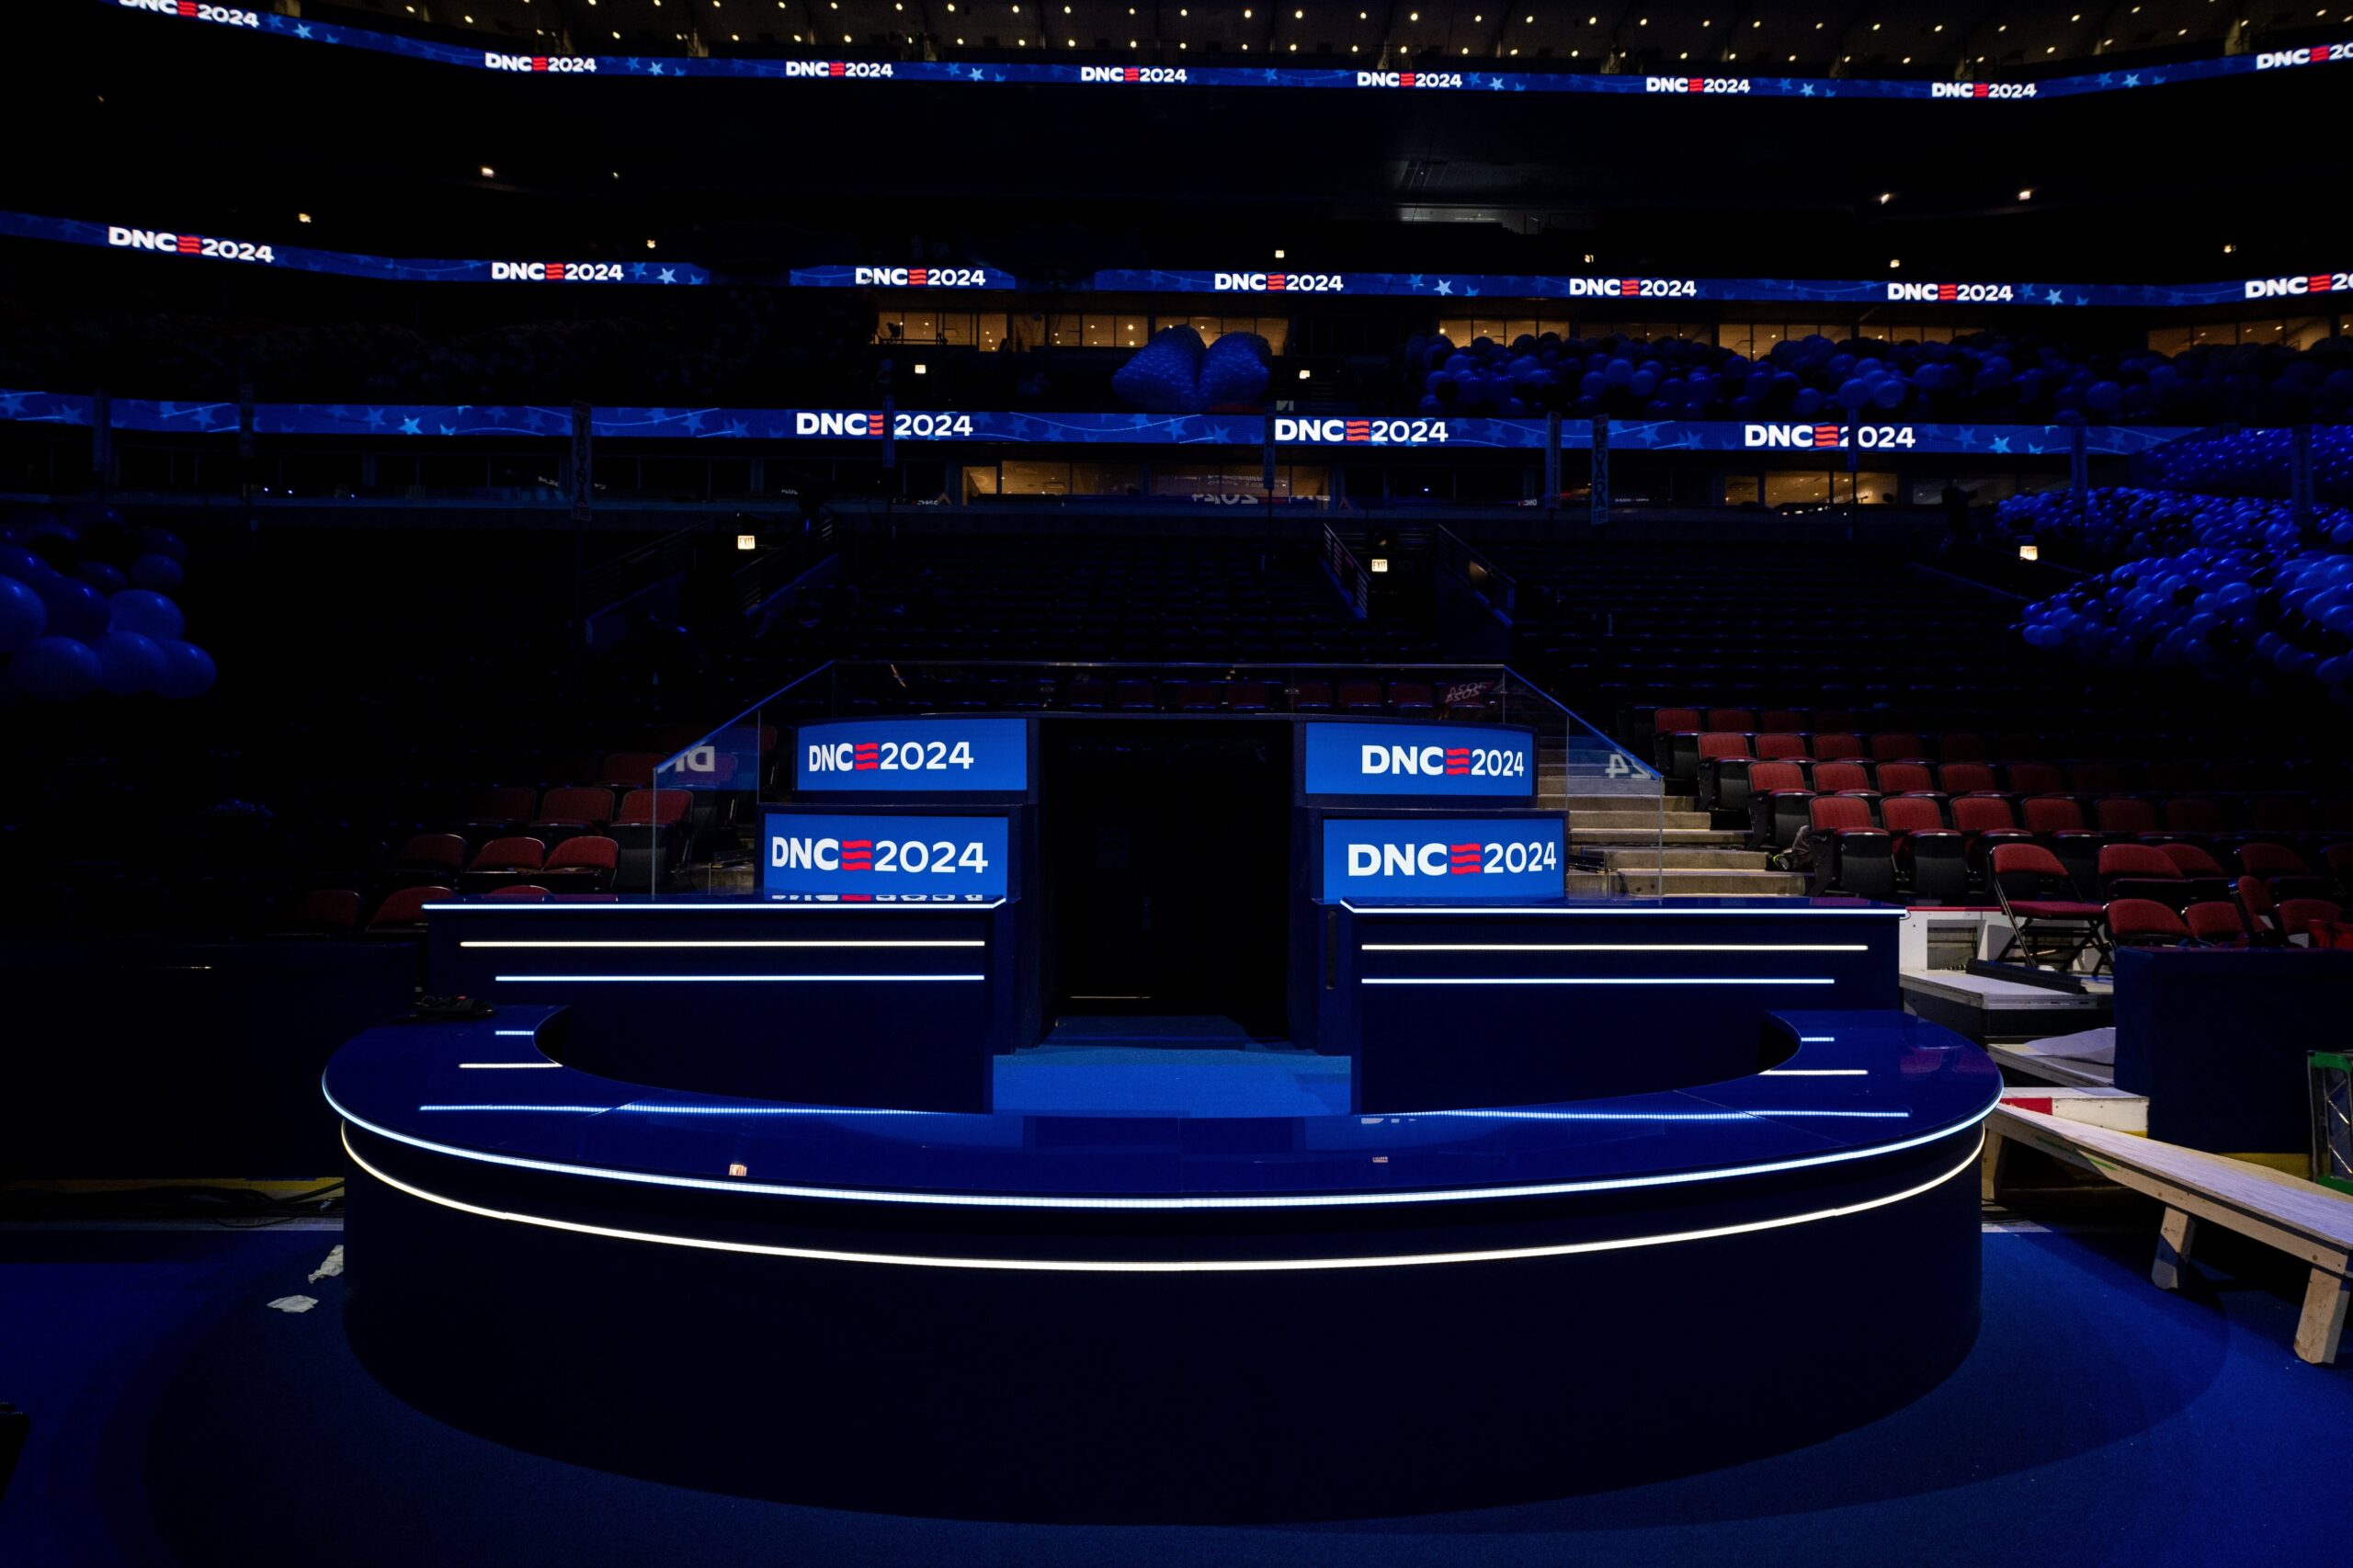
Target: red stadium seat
[
  {"x": 1840, "y": 778},
  {"x": 2095, "y": 778},
  {"x": 2035, "y": 778},
  {"x": 2196, "y": 814},
  {"x": 629, "y": 769},
  {"x": 1412, "y": 698},
  {"x": 1247, "y": 697},
  {"x": 402, "y": 911},
  {"x": 2145, "y": 923},
  {"x": 581, "y": 865},
  {"x": 1897, "y": 745},
  {"x": 429, "y": 859},
  {"x": 1721, "y": 719},
  {"x": 2281, "y": 871},
  {"x": 1773, "y": 747},
  {"x": 2262, "y": 913},
  {"x": 1360, "y": 696},
  {"x": 2124, "y": 814},
  {"x": 1312, "y": 696},
  {"x": 1905, "y": 778},
  {"x": 1851, "y": 854},
  {"x": 2216, "y": 922},
  {"x": 524, "y": 893},
  {"x": 1965, "y": 778},
  {"x": 504, "y": 861},
  {"x": 1777, "y": 798},
  {"x": 1959, "y": 746},
  {"x": 2142, "y": 870},
  {"x": 2297, "y": 914},
  {"x": 1840, "y": 745},
  {"x": 1789, "y": 719},
  {"x": 325, "y": 911},
  {"x": 1930, "y": 855}
]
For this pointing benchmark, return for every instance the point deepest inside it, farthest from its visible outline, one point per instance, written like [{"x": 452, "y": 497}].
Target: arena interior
[{"x": 1236, "y": 783}]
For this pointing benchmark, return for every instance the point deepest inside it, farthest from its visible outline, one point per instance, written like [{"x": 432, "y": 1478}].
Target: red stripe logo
[
  {"x": 1131, "y": 75},
  {"x": 1465, "y": 857},
  {"x": 1458, "y": 759},
  {"x": 1948, "y": 292},
  {"x": 1408, "y": 79},
  {"x": 1825, "y": 434},
  {"x": 188, "y": 7},
  {"x": 835, "y": 68},
  {"x": 1629, "y": 287},
  {"x": 874, "y": 425},
  {"x": 555, "y": 270},
  {"x": 1358, "y": 430},
  {"x": 187, "y": 244},
  {"x": 858, "y": 854},
  {"x": 866, "y": 757},
  {"x": 2318, "y": 283},
  {"x": 1981, "y": 90},
  {"x": 539, "y": 63},
  {"x": 1694, "y": 84},
  {"x": 919, "y": 277}
]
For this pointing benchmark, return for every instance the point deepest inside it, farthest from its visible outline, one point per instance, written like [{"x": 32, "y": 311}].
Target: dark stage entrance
[{"x": 1166, "y": 844}]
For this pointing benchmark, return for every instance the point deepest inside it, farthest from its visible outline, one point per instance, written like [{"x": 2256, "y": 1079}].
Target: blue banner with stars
[{"x": 1721, "y": 82}]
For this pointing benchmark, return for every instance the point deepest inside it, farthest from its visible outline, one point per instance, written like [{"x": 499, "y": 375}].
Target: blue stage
[
  {"x": 847, "y": 1199},
  {"x": 1147, "y": 1253}
]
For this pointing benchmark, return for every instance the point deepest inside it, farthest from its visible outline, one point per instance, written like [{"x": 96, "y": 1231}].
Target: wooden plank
[
  {"x": 2323, "y": 1323},
  {"x": 2175, "y": 1235},
  {"x": 2320, "y": 1220}
]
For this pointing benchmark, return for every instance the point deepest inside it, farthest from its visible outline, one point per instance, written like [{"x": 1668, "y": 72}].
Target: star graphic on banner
[
  {"x": 2133, "y": 80},
  {"x": 1968, "y": 437},
  {"x": 655, "y": 69},
  {"x": 1445, "y": 286},
  {"x": 1469, "y": 293},
  {"x": 301, "y": 29},
  {"x": 497, "y": 415},
  {"x": 737, "y": 429},
  {"x": 1414, "y": 281},
  {"x": 1495, "y": 84},
  {"x": 973, "y": 72},
  {"x": 11, "y": 404},
  {"x": 408, "y": 427},
  {"x": 2106, "y": 78},
  {"x": 449, "y": 429},
  {"x": 2001, "y": 444},
  {"x": 74, "y": 416},
  {"x": 336, "y": 411},
  {"x": 2055, "y": 298},
  {"x": 375, "y": 419},
  {"x": 668, "y": 275},
  {"x": 694, "y": 423},
  {"x": 1805, "y": 89}
]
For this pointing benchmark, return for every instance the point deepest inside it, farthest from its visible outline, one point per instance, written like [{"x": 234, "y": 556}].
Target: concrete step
[
  {"x": 1694, "y": 837},
  {"x": 1687, "y": 821},
  {"x": 1587, "y": 801},
  {"x": 1757, "y": 883},
  {"x": 1678, "y": 858}
]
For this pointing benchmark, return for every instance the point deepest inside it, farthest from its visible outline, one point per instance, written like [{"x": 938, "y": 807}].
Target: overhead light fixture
[{"x": 747, "y": 542}]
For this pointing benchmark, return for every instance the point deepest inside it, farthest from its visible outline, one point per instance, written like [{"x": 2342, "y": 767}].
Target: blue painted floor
[
  {"x": 1170, "y": 1067},
  {"x": 180, "y": 1420}
]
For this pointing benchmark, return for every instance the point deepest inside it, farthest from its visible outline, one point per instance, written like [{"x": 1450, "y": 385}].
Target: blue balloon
[
  {"x": 1888, "y": 394},
  {"x": 54, "y": 669},
  {"x": 148, "y": 614},
  {"x": 105, "y": 578},
  {"x": 1853, "y": 394},
  {"x": 128, "y": 663},
  {"x": 23, "y": 615},
  {"x": 75, "y": 609},
  {"x": 24, "y": 565},
  {"x": 186, "y": 672}
]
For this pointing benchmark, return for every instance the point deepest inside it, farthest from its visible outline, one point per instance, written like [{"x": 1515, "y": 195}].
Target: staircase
[{"x": 1651, "y": 846}]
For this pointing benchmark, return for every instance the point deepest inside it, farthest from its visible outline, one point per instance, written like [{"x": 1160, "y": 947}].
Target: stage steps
[{"x": 1645, "y": 881}]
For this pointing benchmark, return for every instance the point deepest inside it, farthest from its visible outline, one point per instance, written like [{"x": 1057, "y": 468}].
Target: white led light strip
[
  {"x": 1303, "y": 1200},
  {"x": 741, "y": 907},
  {"x": 723, "y": 978},
  {"x": 1608, "y": 947},
  {"x": 1609, "y": 911},
  {"x": 1584, "y": 980},
  {"x": 847, "y": 942},
  {"x": 1171, "y": 1265}
]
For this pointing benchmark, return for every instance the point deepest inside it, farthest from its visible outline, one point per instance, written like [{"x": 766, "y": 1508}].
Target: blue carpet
[{"x": 180, "y": 1421}]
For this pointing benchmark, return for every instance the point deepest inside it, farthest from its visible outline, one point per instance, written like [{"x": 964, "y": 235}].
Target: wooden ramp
[{"x": 2300, "y": 1218}]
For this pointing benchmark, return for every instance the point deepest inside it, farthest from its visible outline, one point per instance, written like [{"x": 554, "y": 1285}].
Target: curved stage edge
[{"x": 1161, "y": 1318}]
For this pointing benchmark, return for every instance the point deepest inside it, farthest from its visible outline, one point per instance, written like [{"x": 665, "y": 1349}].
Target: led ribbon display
[
  {"x": 1296, "y": 437},
  {"x": 1468, "y": 292},
  {"x": 1721, "y": 84}
]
